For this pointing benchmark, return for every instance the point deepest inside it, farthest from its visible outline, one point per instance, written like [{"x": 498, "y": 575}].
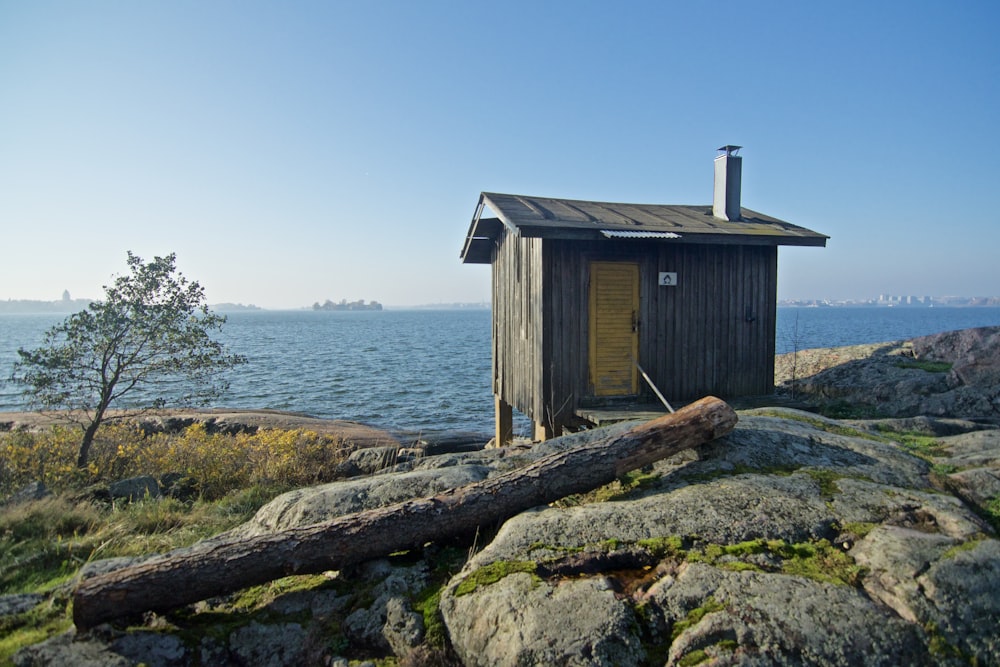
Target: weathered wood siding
[
  {"x": 712, "y": 333},
  {"x": 517, "y": 323}
]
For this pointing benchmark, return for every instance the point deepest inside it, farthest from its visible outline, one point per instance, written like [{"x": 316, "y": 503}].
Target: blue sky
[{"x": 294, "y": 152}]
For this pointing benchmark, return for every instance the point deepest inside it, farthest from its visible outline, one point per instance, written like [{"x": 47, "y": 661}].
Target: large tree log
[{"x": 202, "y": 571}]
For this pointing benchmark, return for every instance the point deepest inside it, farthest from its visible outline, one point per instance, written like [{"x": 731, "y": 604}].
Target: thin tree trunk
[
  {"x": 195, "y": 573},
  {"x": 88, "y": 440}
]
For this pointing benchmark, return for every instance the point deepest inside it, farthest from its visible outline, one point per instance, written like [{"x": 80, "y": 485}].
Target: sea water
[{"x": 431, "y": 369}]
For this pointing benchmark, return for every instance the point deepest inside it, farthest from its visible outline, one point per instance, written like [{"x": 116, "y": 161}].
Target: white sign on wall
[{"x": 668, "y": 278}]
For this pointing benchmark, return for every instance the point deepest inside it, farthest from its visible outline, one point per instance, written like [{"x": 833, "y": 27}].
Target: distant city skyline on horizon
[{"x": 883, "y": 299}]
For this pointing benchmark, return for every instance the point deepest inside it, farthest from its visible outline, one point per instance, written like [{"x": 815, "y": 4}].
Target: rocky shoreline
[
  {"x": 950, "y": 374},
  {"x": 796, "y": 539}
]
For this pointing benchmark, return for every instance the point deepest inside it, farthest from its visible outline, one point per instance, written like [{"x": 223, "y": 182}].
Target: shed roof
[{"x": 546, "y": 217}]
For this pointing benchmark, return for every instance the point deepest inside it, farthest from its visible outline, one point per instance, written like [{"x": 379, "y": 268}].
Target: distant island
[
  {"x": 233, "y": 307},
  {"x": 347, "y": 305}
]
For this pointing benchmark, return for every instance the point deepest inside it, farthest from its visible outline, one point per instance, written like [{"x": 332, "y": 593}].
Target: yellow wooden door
[{"x": 614, "y": 328}]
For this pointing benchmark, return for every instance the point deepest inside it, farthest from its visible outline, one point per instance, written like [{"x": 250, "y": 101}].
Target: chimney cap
[{"x": 730, "y": 149}]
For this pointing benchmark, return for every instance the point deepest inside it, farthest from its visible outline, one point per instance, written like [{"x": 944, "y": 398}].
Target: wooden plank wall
[
  {"x": 695, "y": 338},
  {"x": 517, "y": 323}
]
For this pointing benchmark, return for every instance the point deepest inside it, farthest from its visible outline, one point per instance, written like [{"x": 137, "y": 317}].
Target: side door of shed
[{"x": 614, "y": 328}]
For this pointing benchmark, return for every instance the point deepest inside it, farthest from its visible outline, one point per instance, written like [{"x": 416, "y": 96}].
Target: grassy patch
[
  {"x": 46, "y": 620},
  {"x": 43, "y": 543}
]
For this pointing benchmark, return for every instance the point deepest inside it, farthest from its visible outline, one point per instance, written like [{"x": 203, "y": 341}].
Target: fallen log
[{"x": 208, "y": 569}]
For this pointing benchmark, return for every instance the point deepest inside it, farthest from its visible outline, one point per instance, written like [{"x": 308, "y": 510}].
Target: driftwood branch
[{"x": 202, "y": 571}]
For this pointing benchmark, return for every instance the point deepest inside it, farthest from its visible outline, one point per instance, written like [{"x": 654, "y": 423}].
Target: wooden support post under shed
[
  {"x": 543, "y": 432},
  {"x": 504, "y": 422}
]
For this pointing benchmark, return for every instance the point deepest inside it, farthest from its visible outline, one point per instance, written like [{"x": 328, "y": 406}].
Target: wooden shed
[{"x": 587, "y": 296}]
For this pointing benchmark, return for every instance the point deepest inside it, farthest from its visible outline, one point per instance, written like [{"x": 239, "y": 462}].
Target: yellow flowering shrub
[
  {"x": 48, "y": 457},
  {"x": 216, "y": 462}
]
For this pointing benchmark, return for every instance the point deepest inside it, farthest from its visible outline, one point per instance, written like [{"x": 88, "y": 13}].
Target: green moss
[
  {"x": 827, "y": 480},
  {"x": 960, "y": 548},
  {"x": 857, "y": 528},
  {"x": 919, "y": 444},
  {"x": 729, "y": 645},
  {"x": 494, "y": 572},
  {"x": 745, "y": 548},
  {"x": 622, "y": 488},
  {"x": 944, "y": 469},
  {"x": 694, "y": 617},
  {"x": 821, "y": 561},
  {"x": 992, "y": 513},
  {"x": 698, "y": 656},
  {"x": 611, "y": 545},
  {"x": 664, "y": 547},
  {"x": 818, "y": 560},
  {"x": 428, "y": 604},
  {"x": 256, "y": 597},
  {"x": 929, "y": 366},
  {"x": 739, "y": 566},
  {"x": 941, "y": 648},
  {"x": 695, "y": 657}
]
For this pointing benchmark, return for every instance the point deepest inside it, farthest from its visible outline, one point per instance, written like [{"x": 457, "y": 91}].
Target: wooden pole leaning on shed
[
  {"x": 652, "y": 386},
  {"x": 202, "y": 571}
]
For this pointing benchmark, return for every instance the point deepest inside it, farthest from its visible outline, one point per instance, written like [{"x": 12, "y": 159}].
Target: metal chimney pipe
[{"x": 728, "y": 176}]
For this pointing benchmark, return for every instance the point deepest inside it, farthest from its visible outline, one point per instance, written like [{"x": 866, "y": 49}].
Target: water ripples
[{"x": 431, "y": 370}]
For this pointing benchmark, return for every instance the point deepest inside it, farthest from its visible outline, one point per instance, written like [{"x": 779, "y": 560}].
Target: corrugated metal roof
[
  {"x": 629, "y": 234},
  {"x": 547, "y": 217}
]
